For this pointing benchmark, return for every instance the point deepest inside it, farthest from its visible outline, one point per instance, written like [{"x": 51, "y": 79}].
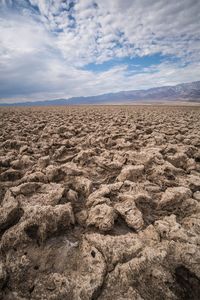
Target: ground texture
[{"x": 100, "y": 203}]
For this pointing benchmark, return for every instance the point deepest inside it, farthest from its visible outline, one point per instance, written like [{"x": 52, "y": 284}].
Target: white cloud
[
  {"x": 45, "y": 44},
  {"x": 146, "y": 27}
]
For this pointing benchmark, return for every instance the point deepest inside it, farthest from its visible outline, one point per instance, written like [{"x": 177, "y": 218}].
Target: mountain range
[{"x": 185, "y": 92}]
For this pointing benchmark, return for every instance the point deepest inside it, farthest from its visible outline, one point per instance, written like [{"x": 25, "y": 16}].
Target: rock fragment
[
  {"x": 194, "y": 182},
  {"x": 174, "y": 196},
  {"x": 131, "y": 173},
  {"x": 39, "y": 223},
  {"x": 10, "y": 212},
  {"x": 196, "y": 195},
  {"x": 102, "y": 216},
  {"x": 129, "y": 211},
  {"x": 44, "y": 161}
]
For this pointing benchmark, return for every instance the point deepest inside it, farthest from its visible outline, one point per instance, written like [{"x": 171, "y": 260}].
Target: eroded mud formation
[{"x": 100, "y": 203}]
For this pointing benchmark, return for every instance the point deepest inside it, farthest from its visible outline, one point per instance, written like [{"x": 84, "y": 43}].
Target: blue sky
[{"x": 62, "y": 48}]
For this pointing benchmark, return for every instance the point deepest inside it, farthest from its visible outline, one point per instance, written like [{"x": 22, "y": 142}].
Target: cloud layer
[{"x": 47, "y": 46}]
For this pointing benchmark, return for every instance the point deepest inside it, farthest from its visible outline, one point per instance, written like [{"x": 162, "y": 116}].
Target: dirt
[{"x": 100, "y": 202}]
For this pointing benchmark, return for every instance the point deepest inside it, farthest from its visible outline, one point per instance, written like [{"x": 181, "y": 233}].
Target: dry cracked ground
[{"x": 100, "y": 203}]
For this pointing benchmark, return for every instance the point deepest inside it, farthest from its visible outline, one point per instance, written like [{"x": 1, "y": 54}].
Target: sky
[{"x": 64, "y": 48}]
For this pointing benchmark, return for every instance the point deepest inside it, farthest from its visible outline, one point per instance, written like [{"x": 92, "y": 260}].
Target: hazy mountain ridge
[{"x": 181, "y": 92}]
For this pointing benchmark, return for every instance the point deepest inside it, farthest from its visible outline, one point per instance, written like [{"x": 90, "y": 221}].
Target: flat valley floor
[{"x": 100, "y": 202}]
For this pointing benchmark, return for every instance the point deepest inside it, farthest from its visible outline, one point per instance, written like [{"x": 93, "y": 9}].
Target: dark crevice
[
  {"x": 187, "y": 285},
  {"x": 120, "y": 227},
  {"x": 12, "y": 219},
  {"x": 31, "y": 289},
  {"x": 32, "y": 231},
  {"x": 148, "y": 210},
  {"x": 93, "y": 253}
]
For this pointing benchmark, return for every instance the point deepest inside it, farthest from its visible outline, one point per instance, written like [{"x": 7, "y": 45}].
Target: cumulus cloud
[{"x": 46, "y": 46}]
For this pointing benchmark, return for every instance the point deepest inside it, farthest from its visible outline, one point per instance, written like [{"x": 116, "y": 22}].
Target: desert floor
[{"x": 100, "y": 202}]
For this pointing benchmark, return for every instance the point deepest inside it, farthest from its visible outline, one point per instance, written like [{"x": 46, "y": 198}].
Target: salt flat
[{"x": 100, "y": 202}]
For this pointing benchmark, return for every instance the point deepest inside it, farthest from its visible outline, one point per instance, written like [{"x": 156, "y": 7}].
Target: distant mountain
[{"x": 189, "y": 92}]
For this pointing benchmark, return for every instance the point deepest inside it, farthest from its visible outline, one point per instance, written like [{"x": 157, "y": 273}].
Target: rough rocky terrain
[{"x": 100, "y": 203}]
